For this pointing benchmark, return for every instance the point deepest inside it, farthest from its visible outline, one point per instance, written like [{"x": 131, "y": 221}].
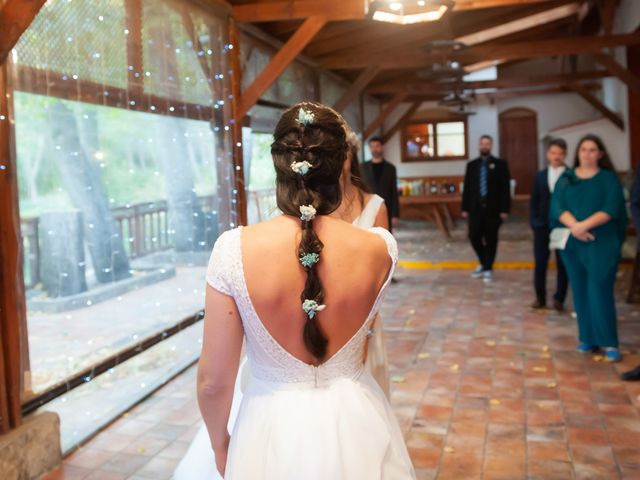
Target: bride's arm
[{"x": 218, "y": 367}]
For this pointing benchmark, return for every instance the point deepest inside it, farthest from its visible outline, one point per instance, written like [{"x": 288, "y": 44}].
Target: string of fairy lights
[{"x": 80, "y": 348}]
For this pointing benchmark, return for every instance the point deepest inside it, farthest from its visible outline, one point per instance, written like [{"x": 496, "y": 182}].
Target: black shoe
[
  {"x": 538, "y": 305},
  {"x": 558, "y": 306},
  {"x": 631, "y": 375}
]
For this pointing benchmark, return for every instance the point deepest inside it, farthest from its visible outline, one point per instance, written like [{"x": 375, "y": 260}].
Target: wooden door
[{"x": 519, "y": 146}]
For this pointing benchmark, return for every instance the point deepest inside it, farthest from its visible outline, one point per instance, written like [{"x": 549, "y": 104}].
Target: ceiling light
[{"x": 406, "y": 12}]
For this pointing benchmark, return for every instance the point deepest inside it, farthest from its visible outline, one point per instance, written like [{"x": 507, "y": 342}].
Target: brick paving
[{"x": 483, "y": 387}]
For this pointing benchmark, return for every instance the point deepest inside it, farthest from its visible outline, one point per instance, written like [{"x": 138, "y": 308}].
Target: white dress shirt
[{"x": 553, "y": 174}]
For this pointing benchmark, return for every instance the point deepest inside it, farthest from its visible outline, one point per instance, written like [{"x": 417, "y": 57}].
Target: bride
[{"x": 302, "y": 290}]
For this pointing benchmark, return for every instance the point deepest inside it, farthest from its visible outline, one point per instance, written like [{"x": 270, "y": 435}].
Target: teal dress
[{"x": 592, "y": 266}]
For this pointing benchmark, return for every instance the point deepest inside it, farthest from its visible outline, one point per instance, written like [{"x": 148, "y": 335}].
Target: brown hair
[
  {"x": 322, "y": 143},
  {"x": 604, "y": 161}
]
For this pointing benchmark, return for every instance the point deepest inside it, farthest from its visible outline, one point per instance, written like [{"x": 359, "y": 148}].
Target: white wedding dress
[{"x": 294, "y": 420}]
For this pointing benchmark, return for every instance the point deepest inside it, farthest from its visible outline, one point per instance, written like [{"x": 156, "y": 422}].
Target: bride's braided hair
[{"x": 308, "y": 152}]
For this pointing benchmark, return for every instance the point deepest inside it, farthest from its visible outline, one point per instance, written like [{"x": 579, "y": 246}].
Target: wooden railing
[{"x": 143, "y": 227}]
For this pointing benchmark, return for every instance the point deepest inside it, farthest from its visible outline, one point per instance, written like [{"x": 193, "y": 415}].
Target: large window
[
  {"x": 126, "y": 178},
  {"x": 435, "y": 140}
]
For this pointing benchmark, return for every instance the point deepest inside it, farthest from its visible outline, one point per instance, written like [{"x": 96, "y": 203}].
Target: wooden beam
[
  {"x": 501, "y": 83},
  {"x": 356, "y": 87},
  {"x": 293, "y": 9},
  {"x": 12, "y": 295},
  {"x": 415, "y": 58},
  {"x": 630, "y": 79},
  {"x": 607, "y": 10},
  {"x": 279, "y": 63},
  {"x": 401, "y": 121},
  {"x": 15, "y": 18},
  {"x": 598, "y": 105},
  {"x": 384, "y": 113},
  {"x": 477, "y": 4},
  {"x": 520, "y": 24}
]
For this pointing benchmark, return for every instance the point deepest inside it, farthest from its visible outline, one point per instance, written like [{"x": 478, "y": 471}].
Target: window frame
[{"x": 435, "y": 121}]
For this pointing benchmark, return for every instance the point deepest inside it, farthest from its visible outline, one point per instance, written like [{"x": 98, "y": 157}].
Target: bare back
[{"x": 353, "y": 267}]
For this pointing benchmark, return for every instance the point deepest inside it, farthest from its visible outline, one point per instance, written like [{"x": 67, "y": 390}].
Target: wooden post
[
  {"x": 238, "y": 146},
  {"x": 12, "y": 299}
]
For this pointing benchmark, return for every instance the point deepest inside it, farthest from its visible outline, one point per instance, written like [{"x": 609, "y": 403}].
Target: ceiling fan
[{"x": 457, "y": 98}]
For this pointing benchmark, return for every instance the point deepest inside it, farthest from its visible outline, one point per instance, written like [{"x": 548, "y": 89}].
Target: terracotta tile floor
[{"x": 483, "y": 387}]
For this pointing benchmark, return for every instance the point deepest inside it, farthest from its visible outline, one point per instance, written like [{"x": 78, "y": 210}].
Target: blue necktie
[{"x": 484, "y": 189}]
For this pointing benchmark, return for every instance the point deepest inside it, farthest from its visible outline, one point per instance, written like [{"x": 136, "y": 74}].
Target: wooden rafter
[
  {"x": 15, "y": 17},
  {"x": 607, "y": 9},
  {"x": 477, "y": 4},
  {"x": 402, "y": 120},
  {"x": 384, "y": 113},
  {"x": 629, "y": 78},
  {"x": 514, "y": 51},
  {"x": 598, "y": 105},
  {"x": 356, "y": 87},
  {"x": 292, "y": 9},
  {"x": 519, "y": 24},
  {"x": 503, "y": 83},
  {"x": 279, "y": 63}
]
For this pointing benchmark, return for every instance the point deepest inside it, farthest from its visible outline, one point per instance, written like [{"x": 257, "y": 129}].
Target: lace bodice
[{"x": 269, "y": 361}]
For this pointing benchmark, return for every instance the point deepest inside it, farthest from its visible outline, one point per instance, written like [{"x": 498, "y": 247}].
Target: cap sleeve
[
  {"x": 392, "y": 244},
  {"x": 220, "y": 267}
]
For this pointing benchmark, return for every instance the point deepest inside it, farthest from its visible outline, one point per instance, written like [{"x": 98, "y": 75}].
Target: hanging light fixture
[{"x": 405, "y": 12}]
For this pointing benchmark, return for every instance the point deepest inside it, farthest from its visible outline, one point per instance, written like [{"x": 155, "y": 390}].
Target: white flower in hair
[
  {"x": 311, "y": 307},
  {"x": 301, "y": 167},
  {"x": 305, "y": 117},
  {"x": 307, "y": 212}
]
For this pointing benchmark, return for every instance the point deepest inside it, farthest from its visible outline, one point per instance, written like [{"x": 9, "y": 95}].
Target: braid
[{"x": 308, "y": 151}]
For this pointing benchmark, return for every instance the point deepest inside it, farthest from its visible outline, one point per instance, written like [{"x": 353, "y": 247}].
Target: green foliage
[
  {"x": 127, "y": 157},
  {"x": 262, "y": 173}
]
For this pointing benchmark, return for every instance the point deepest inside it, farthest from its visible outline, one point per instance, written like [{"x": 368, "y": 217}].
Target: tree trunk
[{"x": 84, "y": 186}]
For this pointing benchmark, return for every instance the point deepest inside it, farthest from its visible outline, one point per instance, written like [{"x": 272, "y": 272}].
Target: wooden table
[
  {"x": 436, "y": 208},
  {"x": 442, "y": 209}
]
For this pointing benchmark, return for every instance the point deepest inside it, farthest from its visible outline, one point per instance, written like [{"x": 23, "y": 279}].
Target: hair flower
[
  {"x": 307, "y": 212},
  {"x": 311, "y": 307},
  {"x": 308, "y": 260},
  {"x": 305, "y": 117},
  {"x": 301, "y": 167}
]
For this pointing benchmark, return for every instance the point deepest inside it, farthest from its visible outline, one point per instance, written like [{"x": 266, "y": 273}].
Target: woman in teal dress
[{"x": 589, "y": 201}]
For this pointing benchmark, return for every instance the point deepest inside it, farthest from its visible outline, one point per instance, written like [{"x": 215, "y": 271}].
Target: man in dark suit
[
  {"x": 543, "y": 186},
  {"x": 381, "y": 177},
  {"x": 486, "y": 201}
]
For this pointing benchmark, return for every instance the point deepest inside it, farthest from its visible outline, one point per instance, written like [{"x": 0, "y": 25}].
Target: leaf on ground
[
  {"x": 494, "y": 401},
  {"x": 449, "y": 449},
  {"x": 423, "y": 355},
  {"x": 540, "y": 369},
  {"x": 397, "y": 379}
]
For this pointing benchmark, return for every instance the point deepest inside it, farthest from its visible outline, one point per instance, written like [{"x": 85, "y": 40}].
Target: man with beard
[
  {"x": 486, "y": 201},
  {"x": 382, "y": 179}
]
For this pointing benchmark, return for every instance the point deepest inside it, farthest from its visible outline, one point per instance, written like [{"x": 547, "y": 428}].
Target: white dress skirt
[{"x": 290, "y": 420}]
